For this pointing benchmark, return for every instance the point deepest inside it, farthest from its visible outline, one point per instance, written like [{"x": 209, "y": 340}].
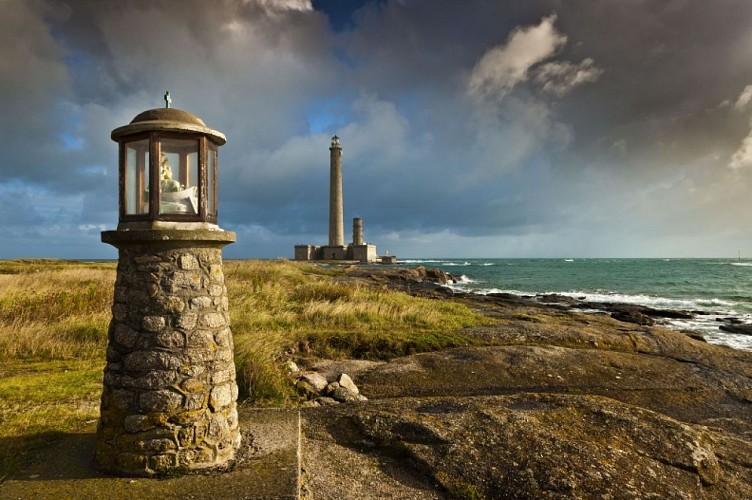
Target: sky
[{"x": 473, "y": 128}]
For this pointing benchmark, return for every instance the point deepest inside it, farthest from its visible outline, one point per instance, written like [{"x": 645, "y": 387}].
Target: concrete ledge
[
  {"x": 166, "y": 235},
  {"x": 267, "y": 466}
]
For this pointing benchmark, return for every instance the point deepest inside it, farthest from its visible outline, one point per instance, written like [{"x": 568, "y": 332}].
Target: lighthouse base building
[
  {"x": 359, "y": 253},
  {"x": 357, "y": 250}
]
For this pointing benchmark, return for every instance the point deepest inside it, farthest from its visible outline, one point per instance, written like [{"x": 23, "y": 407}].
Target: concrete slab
[{"x": 267, "y": 466}]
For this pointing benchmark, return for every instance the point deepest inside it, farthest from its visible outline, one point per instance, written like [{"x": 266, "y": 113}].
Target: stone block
[
  {"x": 170, "y": 339},
  {"x": 186, "y": 321},
  {"x": 232, "y": 418},
  {"x": 124, "y": 335},
  {"x": 192, "y": 419},
  {"x": 112, "y": 378},
  {"x": 221, "y": 396},
  {"x": 139, "y": 423},
  {"x": 222, "y": 376},
  {"x": 163, "y": 463},
  {"x": 199, "y": 357},
  {"x": 171, "y": 304},
  {"x": 213, "y": 320},
  {"x": 215, "y": 272},
  {"x": 155, "y": 445},
  {"x": 218, "y": 429},
  {"x": 113, "y": 355},
  {"x": 198, "y": 303},
  {"x": 123, "y": 399},
  {"x": 209, "y": 256},
  {"x": 191, "y": 370},
  {"x": 188, "y": 262},
  {"x": 119, "y": 312},
  {"x": 186, "y": 458},
  {"x": 154, "y": 379},
  {"x": 205, "y": 455},
  {"x": 185, "y": 437},
  {"x": 152, "y": 360},
  {"x": 201, "y": 429},
  {"x": 192, "y": 385},
  {"x": 224, "y": 356},
  {"x": 201, "y": 339},
  {"x": 223, "y": 338},
  {"x": 182, "y": 281},
  {"x": 196, "y": 401},
  {"x": 162, "y": 400},
  {"x": 154, "y": 323}
]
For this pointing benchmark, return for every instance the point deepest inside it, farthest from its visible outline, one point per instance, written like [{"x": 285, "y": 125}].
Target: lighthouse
[
  {"x": 336, "y": 249},
  {"x": 336, "y": 208}
]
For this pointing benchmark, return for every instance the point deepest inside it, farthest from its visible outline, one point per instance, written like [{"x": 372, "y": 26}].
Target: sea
[{"x": 721, "y": 288}]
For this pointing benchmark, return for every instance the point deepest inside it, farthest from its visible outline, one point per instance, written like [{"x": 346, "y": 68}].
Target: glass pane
[
  {"x": 178, "y": 174},
  {"x": 136, "y": 196},
  {"x": 211, "y": 185}
]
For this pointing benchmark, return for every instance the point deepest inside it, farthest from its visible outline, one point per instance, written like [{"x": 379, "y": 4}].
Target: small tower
[
  {"x": 336, "y": 206},
  {"x": 169, "y": 396},
  {"x": 357, "y": 231}
]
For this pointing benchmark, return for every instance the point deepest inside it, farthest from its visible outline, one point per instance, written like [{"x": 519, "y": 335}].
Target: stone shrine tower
[{"x": 169, "y": 397}]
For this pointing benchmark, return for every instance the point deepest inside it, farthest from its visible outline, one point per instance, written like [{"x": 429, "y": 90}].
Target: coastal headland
[{"x": 544, "y": 401}]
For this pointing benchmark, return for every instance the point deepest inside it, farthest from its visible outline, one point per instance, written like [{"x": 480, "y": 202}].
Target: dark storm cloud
[{"x": 480, "y": 127}]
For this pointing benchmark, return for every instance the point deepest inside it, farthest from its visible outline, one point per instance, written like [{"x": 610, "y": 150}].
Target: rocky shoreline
[
  {"x": 558, "y": 404},
  {"x": 424, "y": 281}
]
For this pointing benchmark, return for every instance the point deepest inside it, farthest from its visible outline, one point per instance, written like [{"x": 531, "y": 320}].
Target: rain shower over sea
[{"x": 720, "y": 288}]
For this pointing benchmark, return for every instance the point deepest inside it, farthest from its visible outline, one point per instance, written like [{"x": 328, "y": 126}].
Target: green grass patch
[{"x": 42, "y": 400}]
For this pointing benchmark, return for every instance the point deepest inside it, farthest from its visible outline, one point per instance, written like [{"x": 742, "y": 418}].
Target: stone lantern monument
[{"x": 169, "y": 397}]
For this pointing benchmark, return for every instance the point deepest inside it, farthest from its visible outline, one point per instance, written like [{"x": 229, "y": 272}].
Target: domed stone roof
[
  {"x": 168, "y": 114},
  {"x": 168, "y": 120}
]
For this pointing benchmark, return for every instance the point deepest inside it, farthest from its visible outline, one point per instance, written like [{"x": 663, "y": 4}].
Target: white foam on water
[
  {"x": 463, "y": 278},
  {"x": 705, "y": 324}
]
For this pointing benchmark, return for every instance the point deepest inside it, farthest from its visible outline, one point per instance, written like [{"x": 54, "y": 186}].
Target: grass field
[{"x": 54, "y": 317}]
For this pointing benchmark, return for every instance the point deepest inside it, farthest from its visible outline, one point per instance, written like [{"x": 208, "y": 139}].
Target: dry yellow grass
[
  {"x": 280, "y": 308},
  {"x": 56, "y": 312}
]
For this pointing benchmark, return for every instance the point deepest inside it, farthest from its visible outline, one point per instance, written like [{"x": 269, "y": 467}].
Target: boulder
[
  {"x": 316, "y": 380},
  {"x": 739, "y": 328},
  {"x": 541, "y": 446},
  {"x": 346, "y": 382},
  {"x": 633, "y": 316}
]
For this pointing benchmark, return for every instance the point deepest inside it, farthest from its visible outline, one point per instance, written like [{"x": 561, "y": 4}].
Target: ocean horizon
[{"x": 714, "y": 287}]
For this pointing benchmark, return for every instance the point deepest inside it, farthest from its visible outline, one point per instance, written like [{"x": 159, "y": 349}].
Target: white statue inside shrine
[{"x": 175, "y": 198}]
